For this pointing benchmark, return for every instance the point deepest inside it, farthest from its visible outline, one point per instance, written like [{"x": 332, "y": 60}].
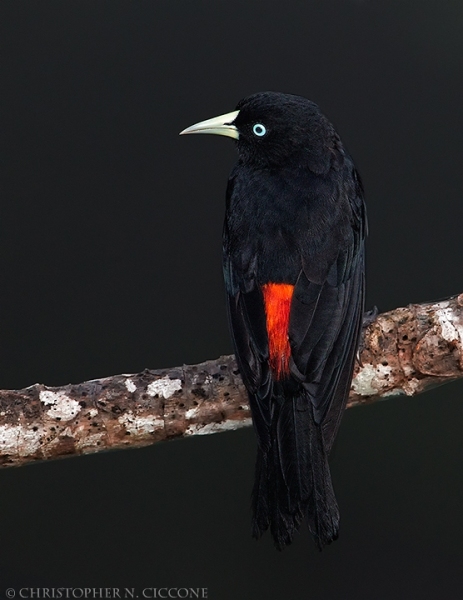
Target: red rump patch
[{"x": 277, "y": 300}]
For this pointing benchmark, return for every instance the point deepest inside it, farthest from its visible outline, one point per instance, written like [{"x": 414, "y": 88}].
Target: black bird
[{"x": 293, "y": 260}]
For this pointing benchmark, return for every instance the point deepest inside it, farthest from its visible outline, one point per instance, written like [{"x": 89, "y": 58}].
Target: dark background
[{"x": 110, "y": 250}]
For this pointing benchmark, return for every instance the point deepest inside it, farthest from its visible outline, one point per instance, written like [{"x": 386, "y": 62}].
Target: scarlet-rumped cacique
[{"x": 293, "y": 260}]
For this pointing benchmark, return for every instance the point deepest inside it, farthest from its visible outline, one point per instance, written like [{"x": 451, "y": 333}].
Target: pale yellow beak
[{"x": 221, "y": 125}]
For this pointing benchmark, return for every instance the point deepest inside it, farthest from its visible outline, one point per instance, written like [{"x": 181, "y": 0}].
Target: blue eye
[{"x": 259, "y": 129}]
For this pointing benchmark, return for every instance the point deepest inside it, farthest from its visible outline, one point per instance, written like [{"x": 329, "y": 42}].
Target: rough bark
[{"x": 404, "y": 351}]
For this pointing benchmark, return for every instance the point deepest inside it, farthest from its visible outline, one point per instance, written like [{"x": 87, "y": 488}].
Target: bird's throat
[{"x": 277, "y": 301}]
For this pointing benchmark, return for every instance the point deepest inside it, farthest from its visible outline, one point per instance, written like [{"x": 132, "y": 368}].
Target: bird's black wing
[
  {"x": 246, "y": 314},
  {"x": 326, "y": 316}
]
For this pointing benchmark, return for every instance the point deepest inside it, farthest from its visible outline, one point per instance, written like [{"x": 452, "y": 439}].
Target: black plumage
[{"x": 295, "y": 216}]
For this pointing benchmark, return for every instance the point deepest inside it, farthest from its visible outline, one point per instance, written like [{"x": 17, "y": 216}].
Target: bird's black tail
[{"x": 293, "y": 480}]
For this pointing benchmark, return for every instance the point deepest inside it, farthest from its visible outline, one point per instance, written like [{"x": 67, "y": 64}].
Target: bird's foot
[{"x": 369, "y": 317}]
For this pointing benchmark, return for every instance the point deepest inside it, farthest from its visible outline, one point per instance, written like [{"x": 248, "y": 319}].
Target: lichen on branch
[{"x": 404, "y": 351}]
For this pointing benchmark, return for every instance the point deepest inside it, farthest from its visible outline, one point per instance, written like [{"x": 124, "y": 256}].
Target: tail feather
[
  {"x": 322, "y": 508},
  {"x": 284, "y": 513},
  {"x": 293, "y": 480},
  {"x": 260, "y": 499}
]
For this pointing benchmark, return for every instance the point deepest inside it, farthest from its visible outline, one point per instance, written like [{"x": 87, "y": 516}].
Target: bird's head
[{"x": 272, "y": 129}]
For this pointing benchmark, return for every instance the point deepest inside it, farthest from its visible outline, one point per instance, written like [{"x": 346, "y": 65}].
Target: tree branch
[{"x": 404, "y": 351}]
